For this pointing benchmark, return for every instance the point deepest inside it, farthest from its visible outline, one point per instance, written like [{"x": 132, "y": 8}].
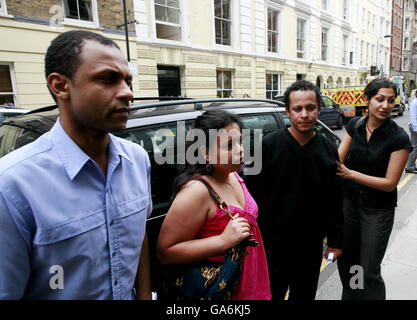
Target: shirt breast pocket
[
  {"x": 82, "y": 239},
  {"x": 131, "y": 221}
]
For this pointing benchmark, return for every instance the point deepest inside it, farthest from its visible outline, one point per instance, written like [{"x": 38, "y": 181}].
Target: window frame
[
  {"x": 229, "y": 21},
  {"x": 326, "y": 44},
  {"x": 82, "y": 23},
  {"x": 405, "y": 64},
  {"x": 345, "y": 10},
  {"x": 13, "y": 83},
  {"x": 279, "y": 84},
  {"x": 222, "y": 89},
  {"x": 179, "y": 25},
  {"x": 273, "y": 32},
  {"x": 345, "y": 49},
  {"x": 303, "y": 39}
]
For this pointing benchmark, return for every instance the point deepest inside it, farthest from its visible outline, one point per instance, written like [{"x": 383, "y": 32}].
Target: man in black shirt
[{"x": 299, "y": 197}]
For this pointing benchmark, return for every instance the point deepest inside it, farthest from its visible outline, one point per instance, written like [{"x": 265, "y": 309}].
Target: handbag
[{"x": 207, "y": 280}]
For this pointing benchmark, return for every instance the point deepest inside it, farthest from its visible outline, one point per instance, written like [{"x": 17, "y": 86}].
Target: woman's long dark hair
[{"x": 212, "y": 119}]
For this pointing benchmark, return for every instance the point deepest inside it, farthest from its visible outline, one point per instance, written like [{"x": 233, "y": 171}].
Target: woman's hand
[
  {"x": 343, "y": 171},
  {"x": 235, "y": 231}
]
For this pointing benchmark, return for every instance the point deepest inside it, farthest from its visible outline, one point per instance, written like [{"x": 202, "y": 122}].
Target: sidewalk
[{"x": 399, "y": 267}]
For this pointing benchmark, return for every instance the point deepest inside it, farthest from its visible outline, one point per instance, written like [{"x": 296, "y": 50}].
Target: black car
[{"x": 149, "y": 125}]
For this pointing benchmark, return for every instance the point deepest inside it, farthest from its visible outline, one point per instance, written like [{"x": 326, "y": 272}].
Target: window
[
  {"x": 345, "y": 9},
  {"x": 273, "y": 33},
  {"x": 367, "y": 55},
  {"x": 362, "y": 51},
  {"x": 84, "y": 11},
  {"x": 224, "y": 84},
  {"x": 405, "y": 64},
  {"x": 407, "y": 24},
  {"x": 7, "y": 93},
  {"x": 324, "y": 44},
  {"x": 301, "y": 38},
  {"x": 345, "y": 50},
  {"x": 373, "y": 22},
  {"x": 369, "y": 19},
  {"x": 264, "y": 121},
  {"x": 78, "y": 10},
  {"x": 223, "y": 22},
  {"x": 168, "y": 17},
  {"x": 273, "y": 85},
  {"x": 324, "y": 4},
  {"x": 363, "y": 17},
  {"x": 406, "y": 43},
  {"x": 373, "y": 55}
]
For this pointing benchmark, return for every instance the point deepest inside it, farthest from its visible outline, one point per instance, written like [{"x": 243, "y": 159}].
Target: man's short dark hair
[
  {"x": 302, "y": 85},
  {"x": 63, "y": 55}
]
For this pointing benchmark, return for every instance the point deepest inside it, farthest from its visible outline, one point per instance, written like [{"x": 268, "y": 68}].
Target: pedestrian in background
[
  {"x": 373, "y": 154},
  {"x": 74, "y": 203},
  {"x": 197, "y": 228},
  {"x": 411, "y": 163},
  {"x": 299, "y": 197}
]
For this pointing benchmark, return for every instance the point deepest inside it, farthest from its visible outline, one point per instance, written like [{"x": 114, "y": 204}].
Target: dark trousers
[
  {"x": 296, "y": 268},
  {"x": 365, "y": 238}
]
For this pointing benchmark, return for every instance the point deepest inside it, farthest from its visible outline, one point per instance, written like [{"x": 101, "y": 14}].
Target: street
[{"x": 399, "y": 267}]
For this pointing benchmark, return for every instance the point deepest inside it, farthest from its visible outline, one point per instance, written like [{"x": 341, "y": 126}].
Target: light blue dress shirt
[
  {"x": 66, "y": 230},
  {"x": 413, "y": 114}
]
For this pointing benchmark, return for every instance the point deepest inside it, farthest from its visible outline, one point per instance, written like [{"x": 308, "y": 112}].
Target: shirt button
[
  {"x": 111, "y": 222},
  {"x": 116, "y": 283},
  {"x": 113, "y": 254}
]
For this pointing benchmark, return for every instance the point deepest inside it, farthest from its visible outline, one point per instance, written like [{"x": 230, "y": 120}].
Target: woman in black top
[{"x": 373, "y": 154}]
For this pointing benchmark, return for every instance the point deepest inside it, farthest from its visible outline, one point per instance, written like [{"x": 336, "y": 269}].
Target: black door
[{"x": 169, "y": 81}]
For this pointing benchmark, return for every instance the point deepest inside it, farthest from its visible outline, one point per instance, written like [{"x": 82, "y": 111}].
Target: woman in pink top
[{"x": 195, "y": 227}]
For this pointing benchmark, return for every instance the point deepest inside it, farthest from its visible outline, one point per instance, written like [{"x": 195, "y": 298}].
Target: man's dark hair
[
  {"x": 63, "y": 55},
  {"x": 302, "y": 85},
  {"x": 373, "y": 87}
]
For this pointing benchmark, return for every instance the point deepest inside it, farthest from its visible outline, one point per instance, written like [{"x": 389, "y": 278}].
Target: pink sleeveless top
[{"x": 254, "y": 283}]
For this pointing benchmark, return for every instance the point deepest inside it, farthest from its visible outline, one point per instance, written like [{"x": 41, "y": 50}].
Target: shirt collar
[
  {"x": 385, "y": 127},
  {"x": 73, "y": 157}
]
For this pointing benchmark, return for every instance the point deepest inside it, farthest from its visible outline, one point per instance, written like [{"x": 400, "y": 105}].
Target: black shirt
[
  {"x": 372, "y": 158},
  {"x": 297, "y": 192}
]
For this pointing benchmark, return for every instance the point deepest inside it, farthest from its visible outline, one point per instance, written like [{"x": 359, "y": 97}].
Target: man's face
[
  {"x": 99, "y": 91},
  {"x": 303, "y": 110}
]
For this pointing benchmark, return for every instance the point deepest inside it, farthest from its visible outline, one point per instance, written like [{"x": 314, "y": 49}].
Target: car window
[
  {"x": 160, "y": 141},
  {"x": 328, "y": 102},
  {"x": 266, "y": 122},
  {"x": 14, "y": 137}
]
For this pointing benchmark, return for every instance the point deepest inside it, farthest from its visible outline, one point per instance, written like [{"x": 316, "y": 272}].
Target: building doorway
[{"x": 169, "y": 81}]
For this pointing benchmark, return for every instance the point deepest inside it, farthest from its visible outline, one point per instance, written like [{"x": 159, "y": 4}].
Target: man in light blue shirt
[
  {"x": 74, "y": 203},
  {"x": 411, "y": 163}
]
